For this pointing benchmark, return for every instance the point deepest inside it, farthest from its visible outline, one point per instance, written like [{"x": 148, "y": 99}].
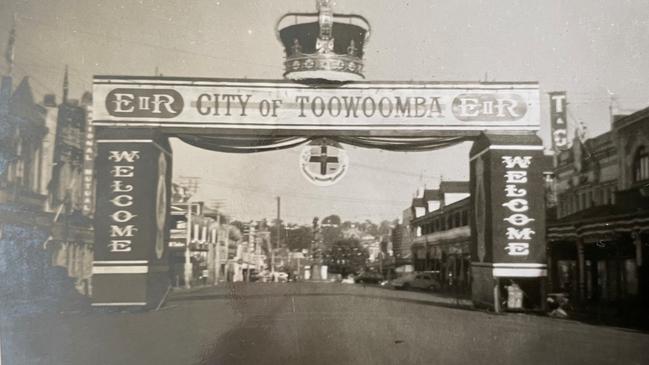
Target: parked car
[
  {"x": 281, "y": 277},
  {"x": 263, "y": 276},
  {"x": 428, "y": 280},
  {"x": 369, "y": 277}
]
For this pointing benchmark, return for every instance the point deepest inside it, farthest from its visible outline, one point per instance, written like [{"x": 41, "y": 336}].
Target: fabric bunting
[{"x": 253, "y": 144}]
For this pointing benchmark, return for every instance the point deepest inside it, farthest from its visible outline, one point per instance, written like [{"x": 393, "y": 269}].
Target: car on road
[
  {"x": 280, "y": 277},
  {"x": 427, "y": 280},
  {"x": 369, "y": 277}
]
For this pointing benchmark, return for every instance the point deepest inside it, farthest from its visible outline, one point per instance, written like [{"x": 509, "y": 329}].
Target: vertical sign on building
[
  {"x": 508, "y": 226},
  {"x": 131, "y": 225},
  {"x": 88, "y": 178},
  {"x": 558, "y": 119}
]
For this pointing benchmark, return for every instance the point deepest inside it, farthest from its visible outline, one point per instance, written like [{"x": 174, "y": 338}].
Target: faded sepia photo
[{"x": 324, "y": 182}]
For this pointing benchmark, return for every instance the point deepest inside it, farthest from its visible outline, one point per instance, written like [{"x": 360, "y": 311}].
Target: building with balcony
[
  {"x": 441, "y": 235},
  {"x": 599, "y": 240}
]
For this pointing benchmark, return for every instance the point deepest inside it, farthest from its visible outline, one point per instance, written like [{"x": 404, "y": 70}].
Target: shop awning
[{"x": 597, "y": 226}]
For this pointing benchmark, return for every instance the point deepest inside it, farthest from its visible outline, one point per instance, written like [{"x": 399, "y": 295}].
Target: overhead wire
[
  {"x": 306, "y": 196},
  {"x": 108, "y": 36}
]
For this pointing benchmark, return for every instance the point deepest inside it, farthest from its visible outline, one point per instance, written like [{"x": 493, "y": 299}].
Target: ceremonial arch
[{"x": 324, "y": 97}]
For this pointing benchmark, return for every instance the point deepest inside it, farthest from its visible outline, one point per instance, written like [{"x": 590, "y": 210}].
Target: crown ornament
[{"x": 323, "y": 45}]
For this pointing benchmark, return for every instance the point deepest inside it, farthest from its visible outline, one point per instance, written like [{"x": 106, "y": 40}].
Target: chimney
[
  {"x": 49, "y": 100},
  {"x": 66, "y": 85}
]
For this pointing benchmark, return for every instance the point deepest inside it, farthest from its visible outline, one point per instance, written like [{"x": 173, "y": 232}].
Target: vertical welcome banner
[
  {"x": 131, "y": 232},
  {"x": 508, "y": 225},
  {"x": 558, "y": 120}
]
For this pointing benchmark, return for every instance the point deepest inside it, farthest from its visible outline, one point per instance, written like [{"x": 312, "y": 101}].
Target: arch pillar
[
  {"x": 508, "y": 222},
  {"x": 131, "y": 266}
]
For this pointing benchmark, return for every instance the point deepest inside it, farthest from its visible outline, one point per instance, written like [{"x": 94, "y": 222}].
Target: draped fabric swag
[{"x": 252, "y": 144}]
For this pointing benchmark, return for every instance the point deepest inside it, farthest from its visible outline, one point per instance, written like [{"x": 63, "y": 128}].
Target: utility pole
[
  {"x": 217, "y": 255},
  {"x": 188, "y": 263},
  {"x": 279, "y": 227}
]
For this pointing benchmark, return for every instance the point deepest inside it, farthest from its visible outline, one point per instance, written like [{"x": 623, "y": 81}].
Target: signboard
[
  {"x": 558, "y": 119},
  {"x": 123, "y": 206},
  {"x": 88, "y": 186},
  {"x": 178, "y": 235},
  {"x": 269, "y": 104},
  {"x": 508, "y": 208}
]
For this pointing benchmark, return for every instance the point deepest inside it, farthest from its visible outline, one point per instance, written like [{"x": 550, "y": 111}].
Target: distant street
[{"x": 308, "y": 323}]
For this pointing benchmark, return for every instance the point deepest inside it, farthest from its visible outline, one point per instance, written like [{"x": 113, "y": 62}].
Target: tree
[
  {"x": 299, "y": 238},
  {"x": 330, "y": 235},
  {"x": 385, "y": 228},
  {"x": 332, "y": 220},
  {"x": 345, "y": 257}
]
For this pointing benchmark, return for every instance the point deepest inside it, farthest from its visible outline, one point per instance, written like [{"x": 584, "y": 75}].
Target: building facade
[
  {"x": 23, "y": 129},
  {"x": 54, "y": 243},
  {"x": 599, "y": 240},
  {"x": 441, "y": 240}
]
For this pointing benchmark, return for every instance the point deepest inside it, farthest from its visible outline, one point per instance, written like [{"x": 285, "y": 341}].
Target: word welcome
[
  {"x": 123, "y": 171},
  {"x": 518, "y": 236}
]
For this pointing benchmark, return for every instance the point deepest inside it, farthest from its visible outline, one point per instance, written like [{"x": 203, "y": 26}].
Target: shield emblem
[{"x": 323, "y": 162}]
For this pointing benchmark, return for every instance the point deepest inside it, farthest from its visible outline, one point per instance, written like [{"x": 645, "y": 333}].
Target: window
[
  {"x": 598, "y": 197},
  {"x": 641, "y": 165}
]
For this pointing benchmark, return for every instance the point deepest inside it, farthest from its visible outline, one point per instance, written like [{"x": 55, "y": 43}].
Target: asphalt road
[{"x": 308, "y": 323}]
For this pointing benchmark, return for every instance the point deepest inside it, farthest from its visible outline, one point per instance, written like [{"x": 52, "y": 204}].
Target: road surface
[{"x": 313, "y": 323}]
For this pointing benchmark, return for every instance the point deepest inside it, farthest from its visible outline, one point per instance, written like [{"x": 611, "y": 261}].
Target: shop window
[
  {"x": 573, "y": 203},
  {"x": 465, "y": 218},
  {"x": 641, "y": 165},
  {"x": 631, "y": 277},
  {"x": 598, "y": 197}
]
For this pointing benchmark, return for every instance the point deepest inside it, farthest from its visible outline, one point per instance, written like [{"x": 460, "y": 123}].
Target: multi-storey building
[
  {"x": 23, "y": 128},
  {"x": 442, "y": 235},
  {"x": 56, "y": 244},
  {"x": 599, "y": 241}
]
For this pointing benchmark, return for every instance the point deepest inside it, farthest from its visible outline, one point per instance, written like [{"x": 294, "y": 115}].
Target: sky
[{"x": 597, "y": 51}]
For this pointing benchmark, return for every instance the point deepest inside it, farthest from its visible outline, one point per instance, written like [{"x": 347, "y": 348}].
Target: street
[{"x": 313, "y": 323}]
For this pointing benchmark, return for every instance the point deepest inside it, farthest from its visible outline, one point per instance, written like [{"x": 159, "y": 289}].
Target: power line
[
  {"x": 344, "y": 199},
  {"x": 157, "y": 46}
]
